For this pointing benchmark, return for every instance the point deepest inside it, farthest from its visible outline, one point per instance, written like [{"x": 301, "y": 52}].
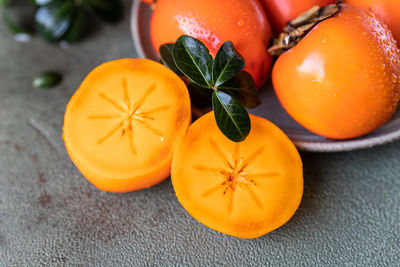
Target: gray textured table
[{"x": 50, "y": 215}]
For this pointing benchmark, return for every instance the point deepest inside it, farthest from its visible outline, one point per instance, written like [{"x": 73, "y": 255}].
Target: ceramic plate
[{"x": 270, "y": 108}]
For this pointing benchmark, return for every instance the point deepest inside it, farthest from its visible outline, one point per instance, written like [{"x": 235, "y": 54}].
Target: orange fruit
[
  {"x": 149, "y": 2},
  {"x": 124, "y": 122},
  {"x": 280, "y": 12},
  {"x": 214, "y": 22},
  {"x": 242, "y": 189},
  {"x": 343, "y": 79},
  {"x": 387, "y": 10}
]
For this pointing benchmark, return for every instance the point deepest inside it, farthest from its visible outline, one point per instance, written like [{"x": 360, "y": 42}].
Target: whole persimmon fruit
[
  {"x": 387, "y": 10},
  {"x": 280, "y": 12},
  {"x": 245, "y": 189},
  {"x": 214, "y": 22},
  {"x": 343, "y": 79}
]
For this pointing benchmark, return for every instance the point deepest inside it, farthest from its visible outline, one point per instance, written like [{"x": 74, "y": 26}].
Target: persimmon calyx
[{"x": 298, "y": 28}]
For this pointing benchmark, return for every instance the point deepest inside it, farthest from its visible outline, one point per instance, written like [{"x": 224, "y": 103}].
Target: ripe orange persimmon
[
  {"x": 124, "y": 122},
  {"x": 280, "y": 12},
  {"x": 343, "y": 79},
  {"x": 242, "y": 189},
  {"x": 214, "y": 22},
  {"x": 387, "y": 10}
]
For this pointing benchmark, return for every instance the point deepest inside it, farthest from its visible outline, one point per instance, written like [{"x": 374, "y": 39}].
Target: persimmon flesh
[
  {"x": 242, "y": 189},
  {"x": 124, "y": 122}
]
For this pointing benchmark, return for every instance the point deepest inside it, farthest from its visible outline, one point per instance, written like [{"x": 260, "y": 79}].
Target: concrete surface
[{"x": 51, "y": 216}]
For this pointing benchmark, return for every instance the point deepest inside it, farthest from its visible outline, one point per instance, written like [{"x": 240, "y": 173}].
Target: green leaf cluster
[
  {"x": 65, "y": 20},
  {"x": 220, "y": 80}
]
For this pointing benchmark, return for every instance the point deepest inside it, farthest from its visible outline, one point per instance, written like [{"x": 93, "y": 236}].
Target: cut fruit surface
[
  {"x": 242, "y": 189},
  {"x": 123, "y": 124}
]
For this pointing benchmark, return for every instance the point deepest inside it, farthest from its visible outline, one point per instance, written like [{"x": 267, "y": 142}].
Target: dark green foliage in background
[{"x": 63, "y": 20}]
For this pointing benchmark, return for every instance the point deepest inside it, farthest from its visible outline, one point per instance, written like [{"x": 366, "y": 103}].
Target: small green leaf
[
  {"x": 54, "y": 20},
  {"x": 107, "y": 10},
  {"x": 231, "y": 117},
  {"x": 11, "y": 24},
  {"x": 47, "y": 80},
  {"x": 243, "y": 87},
  {"x": 228, "y": 63},
  {"x": 168, "y": 59},
  {"x": 78, "y": 27},
  {"x": 193, "y": 58}
]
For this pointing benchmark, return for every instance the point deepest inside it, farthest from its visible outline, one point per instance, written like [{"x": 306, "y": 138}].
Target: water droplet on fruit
[
  {"x": 324, "y": 41},
  {"x": 383, "y": 66},
  {"x": 369, "y": 12},
  {"x": 394, "y": 78},
  {"x": 241, "y": 22},
  {"x": 358, "y": 17}
]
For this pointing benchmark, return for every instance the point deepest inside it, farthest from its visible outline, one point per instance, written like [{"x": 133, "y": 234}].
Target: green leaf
[
  {"x": 193, "y": 59},
  {"x": 168, "y": 59},
  {"x": 54, "y": 20},
  {"x": 243, "y": 87},
  {"x": 47, "y": 80},
  {"x": 231, "y": 117},
  {"x": 11, "y": 24},
  {"x": 78, "y": 27},
  {"x": 228, "y": 63},
  {"x": 107, "y": 10}
]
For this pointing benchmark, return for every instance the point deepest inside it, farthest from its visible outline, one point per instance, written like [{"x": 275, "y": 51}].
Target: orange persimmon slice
[
  {"x": 242, "y": 189},
  {"x": 124, "y": 123}
]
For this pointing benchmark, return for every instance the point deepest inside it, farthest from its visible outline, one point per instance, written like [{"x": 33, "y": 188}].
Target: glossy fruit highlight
[{"x": 343, "y": 79}]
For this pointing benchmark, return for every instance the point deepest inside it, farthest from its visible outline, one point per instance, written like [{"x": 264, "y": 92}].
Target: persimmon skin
[
  {"x": 342, "y": 80},
  {"x": 245, "y": 189},
  {"x": 123, "y": 124},
  {"x": 149, "y": 2},
  {"x": 280, "y": 12},
  {"x": 387, "y": 10},
  {"x": 214, "y": 22}
]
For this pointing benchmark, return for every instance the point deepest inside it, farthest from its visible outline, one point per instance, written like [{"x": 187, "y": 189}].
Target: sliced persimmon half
[
  {"x": 242, "y": 189},
  {"x": 123, "y": 124}
]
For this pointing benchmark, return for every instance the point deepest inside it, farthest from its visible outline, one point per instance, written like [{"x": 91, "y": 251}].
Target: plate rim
[{"x": 305, "y": 146}]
